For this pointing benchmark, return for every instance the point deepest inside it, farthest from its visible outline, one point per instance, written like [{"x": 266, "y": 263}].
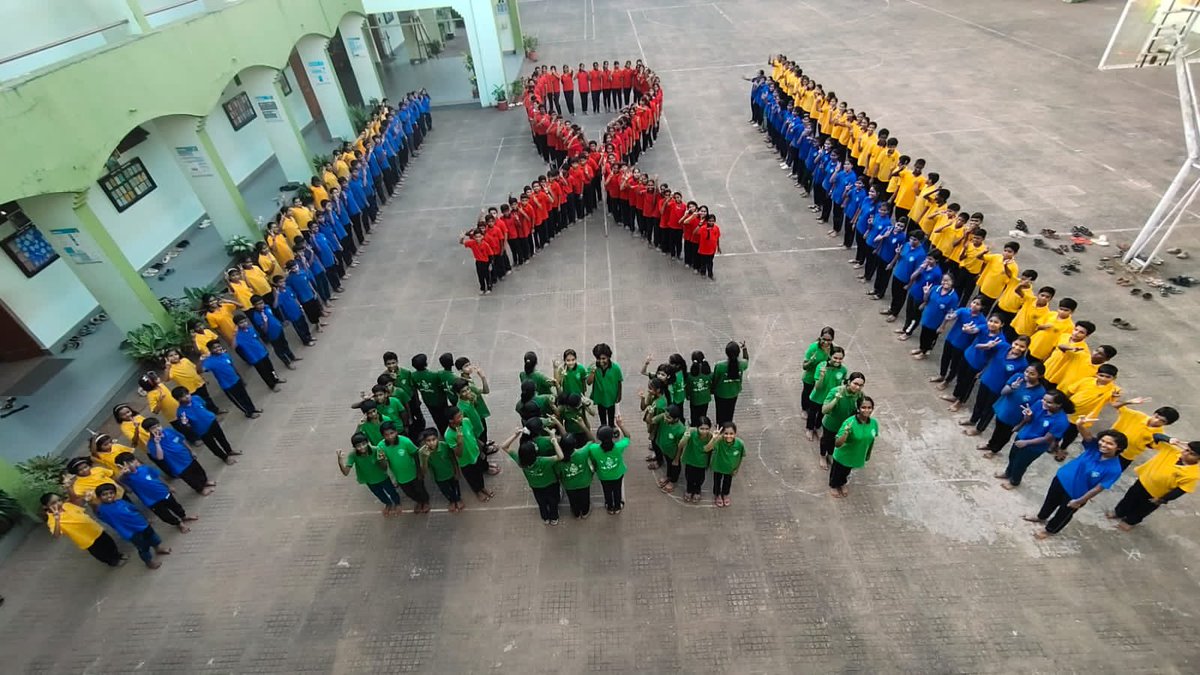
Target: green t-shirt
[
  {"x": 678, "y": 389},
  {"x": 541, "y": 473},
  {"x": 366, "y": 467},
  {"x": 403, "y": 386},
  {"x": 542, "y": 383},
  {"x": 699, "y": 389},
  {"x": 572, "y": 419},
  {"x": 545, "y": 446},
  {"x": 441, "y": 462},
  {"x": 575, "y": 379},
  {"x": 471, "y": 415},
  {"x": 429, "y": 384},
  {"x": 609, "y": 465},
  {"x": 576, "y": 472},
  {"x": 693, "y": 452},
  {"x": 470, "y": 451},
  {"x": 813, "y": 357},
  {"x": 667, "y": 436},
  {"x": 727, "y": 457},
  {"x": 372, "y": 431},
  {"x": 827, "y": 379},
  {"x": 446, "y": 378},
  {"x": 543, "y": 403},
  {"x": 390, "y": 410},
  {"x": 722, "y": 386},
  {"x": 606, "y": 383},
  {"x": 480, "y": 404},
  {"x": 402, "y": 459},
  {"x": 845, "y": 407},
  {"x": 857, "y": 448}
]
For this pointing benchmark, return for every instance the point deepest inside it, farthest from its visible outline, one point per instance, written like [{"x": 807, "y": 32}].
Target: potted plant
[
  {"x": 500, "y": 95},
  {"x": 516, "y": 89},
  {"x": 469, "y": 64},
  {"x": 10, "y": 513},
  {"x": 239, "y": 246},
  {"x": 530, "y": 42},
  {"x": 42, "y": 474}
]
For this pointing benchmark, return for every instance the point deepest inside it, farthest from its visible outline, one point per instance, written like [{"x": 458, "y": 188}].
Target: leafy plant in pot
[
  {"x": 239, "y": 246},
  {"x": 10, "y": 513},
  {"x": 500, "y": 95},
  {"x": 42, "y": 474},
  {"x": 530, "y": 43}
]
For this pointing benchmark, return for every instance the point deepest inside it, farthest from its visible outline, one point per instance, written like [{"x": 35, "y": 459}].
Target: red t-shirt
[
  {"x": 707, "y": 238},
  {"x": 595, "y": 79},
  {"x": 552, "y": 82},
  {"x": 479, "y": 249},
  {"x": 689, "y": 228},
  {"x": 568, "y": 82},
  {"x": 584, "y": 80},
  {"x": 608, "y": 78},
  {"x": 672, "y": 212}
]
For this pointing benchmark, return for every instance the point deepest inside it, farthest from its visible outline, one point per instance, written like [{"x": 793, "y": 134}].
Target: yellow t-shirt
[
  {"x": 241, "y": 292},
  {"x": 885, "y": 162},
  {"x": 134, "y": 433},
  {"x": 162, "y": 403},
  {"x": 1061, "y": 366},
  {"x": 932, "y": 220},
  {"x": 1135, "y": 425},
  {"x": 341, "y": 167},
  {"x": 993, "y": 282},
  {"x": 257, "y": 280},
  {"x": 971, "y": 261},
  {"x": 1163, "y": 474},
  {"x": 282, "y": 248},
  {"x": 922, "y": 203},
  {"x": 866, "y": 146},
  {"x": 944, "y": 240},
  {"x": 76, "y": 525},
  {"x": 186, "y": 375},
  {"x": 1010, "y": 301},
  {"x": 302, "y": 215},
  {"x": 109, "y": 459},
  {"x": 1030, "y": 316},
  {"x": 330, "y": 180},
  {"x": 269, "y": 266},
  {"x": 856, "y": 134},
  {"x": 221, "y": 319},
  {"x": 906, "y": 193},
  {"x": 85, "y": 486},
  {"x": 201, "y": 341},
  {"x": 320, "y": 196},
  {"x": 1042, "y": 342},
  {"x": 1089, "y": 397}
]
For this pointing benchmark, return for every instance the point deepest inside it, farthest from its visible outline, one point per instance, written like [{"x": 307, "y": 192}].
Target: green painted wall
[{"x": 64, "y": 122}]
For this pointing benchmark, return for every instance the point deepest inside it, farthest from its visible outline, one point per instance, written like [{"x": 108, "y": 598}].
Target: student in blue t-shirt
[
  {"x": 1042, "y": 426},
  {"x": 146, "y": 483},
  {"x": 1019, "y": 392},
  {"x": 909, "y": 258},
  {"x": 220, "y": 364},
  {"x": 130, "y": 524},
  {"x": 888, "y": 248},
  {"x": 879, "y": 228},
  {"x": 203, "y": 423},
  {"x": 1081, "y": 479},
  {"x": 987, "y": 345},
  {"x": 302, "y": 285},
  {"x": 965, "y": 324},
  {"x": 288, "y": 308},
  {"x": 998, "y": 371},
  {"x": 924, "y": 279},
  {"x": 169, "y": 448},
  {"x": 250, "y": 347},
  {"x": 266, "y": 322},
  {"x": 936, "y": 310}
]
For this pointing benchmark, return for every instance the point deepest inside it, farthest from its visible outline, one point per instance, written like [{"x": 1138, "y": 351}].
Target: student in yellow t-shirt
[
  {"x": 1140, "y": 428},
  {"x": 255, "y": 277},
  {"x": 319, "y": 195},
  {"x": 105, "y": 452},
  {"x": 866, "y": 143},
  {"x": 1071, "y": 348},
  {"x": 1048, "y": 333},
  {"x": 1173, "y": 471},
  {"x": 238, "y": 288},
  {"x": 219, "y": 314},
  {"x": 328, "y": 177},
  {"x": 131, "y": 425},
  {"x": 158, "y": 396},
  {"x": 1089, "y": 396},
  {"x": 86, "y": 477},
  {"x": 885, "y": 160},
  {"x": 280, "y": 246},
  {"x": 1012, "y": 299},
  {"x": 300, "y": 213},
  {"x": 893, "y": 180},
  {"x": 925, "y": 197},
  {"x": 183, "y": 372},
  {"x": 909, "y": 183},
  {"x": 265, "y": 261},
  {"x": 201, "y": 336},
  {"x": 949, "y": 231},
  {"x": 998, "y": 273},
  {"x": 969, "y": 256},
  {"x": 72, "y": 521}
]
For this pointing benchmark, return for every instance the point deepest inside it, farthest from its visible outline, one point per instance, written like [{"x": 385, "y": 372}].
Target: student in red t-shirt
[
  {"x": 708, "y": 244},
  {"x": 554, "y": 85},
  {"x": 596, "y": 85},
  {"x": 584, "y": 79},
  {"x": 690, "y": 222},
  {"x": 627, "y": 81},
  {"x": 606, "y": 86},
  {"x": 671, "y": 212},
  {"x": 568, "y": 87},
  {"x": 473, "y": 240}
]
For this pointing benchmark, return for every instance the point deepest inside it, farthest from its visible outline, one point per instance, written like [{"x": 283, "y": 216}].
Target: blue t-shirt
[
  {"x": 249, "y": 346},
  {"x": 866, "y": 208},
  {"x": 300, "y": 283},
  {"x": 1089, "y": 470},
  {"x": 268, "y": 327},
  {"x": 1008, "y": 406},
  {"x": 932, "y": 277},
  {"x": 937, "y": 307},
  {"x": 977, "y": 356},
  {"x": 890, "y": 244},
  {"x": 1000, "y": 369},
  {"x": 175, "y": 452},
  {"x": 145, "y": 482},
  {"x": 221, "y": 365},
  {"x": 959, "y": 337},
  {"x": 324, "y": 250},
  {"x": 1043, "y": 423},
  {"x": 910, "y": 258},
  {"x": 288, "y": 305},
  {"x": 199, "y": 418},
  {"x": 122, "y": 517}
]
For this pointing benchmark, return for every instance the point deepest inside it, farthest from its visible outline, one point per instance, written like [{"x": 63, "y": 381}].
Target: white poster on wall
[
  {"x": 195, "y": 161},
  {"x": 73, "y": 243},
  {"x": 318, "y": 72},
  {"x": 269, "y": 108},
  {"x": 355, "y": 46}
]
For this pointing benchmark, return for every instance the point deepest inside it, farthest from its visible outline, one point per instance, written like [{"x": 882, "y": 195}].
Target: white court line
[
  {"x": 593, "y": 3},
  {"x": 437, "y": 208},
  {"x": 442, "y": 327},
  {"x": 492, "y": 173},
  {"x": 732, "y": 200},
  {"x": 722, "y": 13},
  {"x": 786, "y": 250}
]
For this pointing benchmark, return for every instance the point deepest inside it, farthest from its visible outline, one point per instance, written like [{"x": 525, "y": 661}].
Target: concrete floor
[{"x": 925, "y": 568}]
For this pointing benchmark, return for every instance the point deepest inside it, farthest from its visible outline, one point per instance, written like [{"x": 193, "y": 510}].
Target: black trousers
[
  {"x": 673, "y": 471},
  {"x": 440, "y": 416},
  {"x": 569, "y": 95},
  {"x": 282, "y": 349},
  {"x": 951, "y": 361},
  {"x": 1054, "y": 510},
  {"x": 194, "y": 476},
  {"x": 547, "y": 500},
  {"x": 105, "y": 550},
  {"x": 1135, "y": 505},
  {"x": 415, "y": 490},
  {"x": 451, "y": 490},
  {"x": 838, "y": 474},
  {"x": 827, "y": 439},
  {"x": 205, "y": 396},
  {"x": 694, "y": 475},
  {"x": 241, "y": 399},
  {"x": 928, "y": 338},
  {"x": 705, "y": 264},
  {"x": 721, "y": 483},
  {"x": 596, "y": 100},
  {"x": 1001, "y": 435},
  {"x": 899, "y": 295},
  {"x": 583, "y": 101},
  {"x": 169, "y": 511},
  {"x": 965, "y": 383},
  {"x": 1068, "y": 436},
  {"x": 312, "y": 310},
  {"x": 483, "y": 272},
  {"x": 725, "y": 409},
  {"x": 983, "y": 411},
  {"x": 580, "y": 499},
  {"x": 613, "y": 498},
  {"x": 266, "y": 370},
  {"x": 473, "y": 474},
  {"x": 698, "y": 411},
  {"x": 882, "y": 277},
  {"x": 216, "y": 442},
  {"x": 607, "y": 414}
]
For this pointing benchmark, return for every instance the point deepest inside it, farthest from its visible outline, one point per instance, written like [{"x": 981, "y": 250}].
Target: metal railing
[{"x": 62, "y": 41}]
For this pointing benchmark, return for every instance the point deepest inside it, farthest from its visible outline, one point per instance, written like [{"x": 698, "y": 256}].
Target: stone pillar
[
  {"x": 480, "y": 20},
  {"x": 359, "y": 52},
  {"x": 291, "y": 150},
  {"x": 325, "y": 86},
  {"x": 197, "y": 158}
]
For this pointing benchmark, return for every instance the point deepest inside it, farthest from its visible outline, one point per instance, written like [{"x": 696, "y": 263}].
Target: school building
[{"x": 141, "y": 136}]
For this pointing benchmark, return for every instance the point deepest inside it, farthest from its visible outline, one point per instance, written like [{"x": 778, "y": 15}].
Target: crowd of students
[
  {"x": 569, "y": 432},
  {"x": 583, "y": 173},
  {"x": 1027, "y": 363},
  {"x": 294, "y": 277}
]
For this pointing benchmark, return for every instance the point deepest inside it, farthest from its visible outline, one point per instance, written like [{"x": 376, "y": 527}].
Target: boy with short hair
[
  {"x": 999, "y": 271},
  {"x": 270, "y": 329},
  {"x": 401, "y": 457},
  {"x": 73, "y": 521},
  {"x": 1174, "y": 471},
  {"x": 1070, "y": 356},
  {"x": 168, "y": 447},
  {"x": 152, "y": 492},
  {"x": 220, "y": 364},
  {"x": 1089, "y": 396},
  {"x": 288, "y": 308},
  {"x": 183, "y": 371},
  {"x": 301, "y": 282},
  {"x": 130, "y": 524},
  {"x": 1047, "y": 334},
  {"x": 1141, "y": 428},
  {"x": 204, "y": 424},
  {"x": 252, "y": 350},
  {"x": 1012, "y": 299},
  {"x": 438, "y": 459}
]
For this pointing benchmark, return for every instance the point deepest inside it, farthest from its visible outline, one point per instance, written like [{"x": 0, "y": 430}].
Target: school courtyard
[{"x": 926, "y": 568}]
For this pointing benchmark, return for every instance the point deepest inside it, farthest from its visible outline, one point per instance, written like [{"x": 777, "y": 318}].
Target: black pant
[
  {"x": 195, "y": 476},
  {"x": 581, "y": 498},
  {"x": 300, "y": 325},
  {"x": 169, "y": 511},
  {"x": 705, "y": 264},
  {"x": 698, "y": 411},
  {"x": 827, "y": 439},
  {"x": 569, "y": 95},
  {"x": 547, "y": 501},
  {"x": 1068, "y": 436},
  {"x": 613, "y": 499},
  {"x": 583, "y": 101},
  {"x": 1055, "y": 511},
  {"x": 838, "y": 474},
  {"x": 596, "y": 100},
  {"x": 1000, "y": 436},
  {"x": 673, "y": 470},
  {"x": 725, "y": 409},
  {"x": 216, "y": 442},
  {"x": 1135, "y": 505},
  {"x": 483, "y": 272},
  {"x": 241, "y": 399},
  {"x": 607, "y": 414},
  {"x": 898, "y": 296},
  {"x": 983, "y": 411},
  {"x": 440, "y": 416},
  {"x": 966, "y": 382},
  {"x": 694, "y": 475},
  {"x": 951, "y": 361},
  {"x": 283, "y": 350},
  {"x": 451, "y": 490},
  {"x": 415, "y": 490},
  {"x": 928, "y": 338},
  {"x": 912, "y": 314},
  {"x": 105, "y": 550},
  {"x": 721, "y": 483},
  {"x": 312, "y": 310},
  {"x": 209, "y": 403},
  {"x": 266, "y": 370},
  {"x": 473, "y": 474}
]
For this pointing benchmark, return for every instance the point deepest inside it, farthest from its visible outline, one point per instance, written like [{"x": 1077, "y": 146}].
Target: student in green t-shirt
[
  {"x": 852, "y": 449},
  {"x": 608, "y": 456},
  {"x": 371, "y": 423},
  {"x": 467, "y": 371},
  {"x": 529, "y": 398},
  {"x": 828, "y": 376},
  {"x": 653, "y": 403},
  {"x": 840, "y": 404},
  {"x": 540, "y": 474},
  {"x": 699, "y": 387},
  {"x": 545, "y": 386},
  {"x": 605, "y": 378},
  {"x": 571, "y": 375},
  {"x": 816, "y": 354},
  {"x": 402, "y": 380},
  {"x": 461, "y": 439},
  {"x": 677, "y": 385},
  {"x": 727, "y": 380},
  {"x": 389, "y": 406},
  {"x": 438, "y": 459},
  {"x": 401, "y": 456},
  {"x": 694, "y": 448},
  {"x": 469, "y": 398},
  {"x": 727, "y": 453},
  {"x": 575, "y": 473},
  {"x": 573, "y": 412},
  {"x": 669, "y": 429},
  {"x": 429, "y": 384},
  {"x": 369, "y": 470},
  {"x": 446, "y": 377}
]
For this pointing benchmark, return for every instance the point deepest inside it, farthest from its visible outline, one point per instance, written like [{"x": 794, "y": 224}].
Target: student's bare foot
[
  {"x": 190, "y": 519},
  {"x": 1008, "y": 486},
  {"x": 905, "y": 337},
  {"x": 988, "y": 454},
  {"x": 965, "y": 423},
  {"x": 920, "y": 355},
  {"x": 891, "y": 319},
  {"x": 1002, "y": 475},
  {"x": 162, "y": 551},
  {"x": 810, "y": 435},
  {"x": 290, "y": 366},
  {"x": 652, "y": 465},
  {"x": 154, "y": 564},
  {"x": 844, "y": 491},
  {"x": 971, "y": 432},
  {"x": 936, "y": 378},
  {"x": 484, "y": 495},
  {"x": 954, "y": 407},
  {"x": 235, "y": 452},
  {"x": 230, "y": 461},
  {"x": 898, "y": 331},
  {"x": 1041, "y": 534},
  {"x": 835, "y": 493},
  {"x": 275, "y": 388},
  {"x": 824, "y": 463},
  {"x": 493, "y": 470},
  {"x": 717, "y": 502},
  {"x": 1124, "y": 526},
  {"x": 1032, "y": 519},
  {"x": 726, "y": 501},
  {"x": 184, "y": 528},
  {"x": 255, "y": 415},
  {"x": 1111, "y": 515},
  {"x": 387, "y": 511},
  {"x": 300, "y": 358}
]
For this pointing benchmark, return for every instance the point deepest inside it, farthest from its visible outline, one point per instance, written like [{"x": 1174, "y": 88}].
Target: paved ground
[{"x": 926, "y": 568}]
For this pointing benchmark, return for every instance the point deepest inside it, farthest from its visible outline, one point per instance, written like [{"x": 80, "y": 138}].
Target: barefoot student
[
  {"x": 839, "y": 405},
  {"x": 1081, "y": 479},
  {"x": 608, "y": 456},
  {"x": 669, "y": 430},
  {"x": 71, "y": 520},
  {"x": 146, "y": 483},
  {"x": 827, "y": 377},
  {"x": 816, "y": 354},
  {"x": 539, "y": 473},
  {"x": 462, "y": 440},
  {"x": 169, "y": 449},
  {"x": 727, "y": 453},
  {"x": 401, "y": 457},
  {"x": 1042, "y": 425},
  {"x": 575, "y": 472},
  {"x": 438, "y": 459},
  {"x": 127, "y": 521},
  {"x": 370, "y": 470},
  {"x": 1173, "y": 471},
  {"x": 727, "y": 380},
  {"x": 852, "y": 449},
  {"x": 203, "y": 423},
  {"x": 695, "y": 449}
]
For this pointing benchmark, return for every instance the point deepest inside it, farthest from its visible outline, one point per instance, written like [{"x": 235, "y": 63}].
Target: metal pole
[
  {"x": 1182, "y": 207},
  {"x": 1112, "y": 40}
]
